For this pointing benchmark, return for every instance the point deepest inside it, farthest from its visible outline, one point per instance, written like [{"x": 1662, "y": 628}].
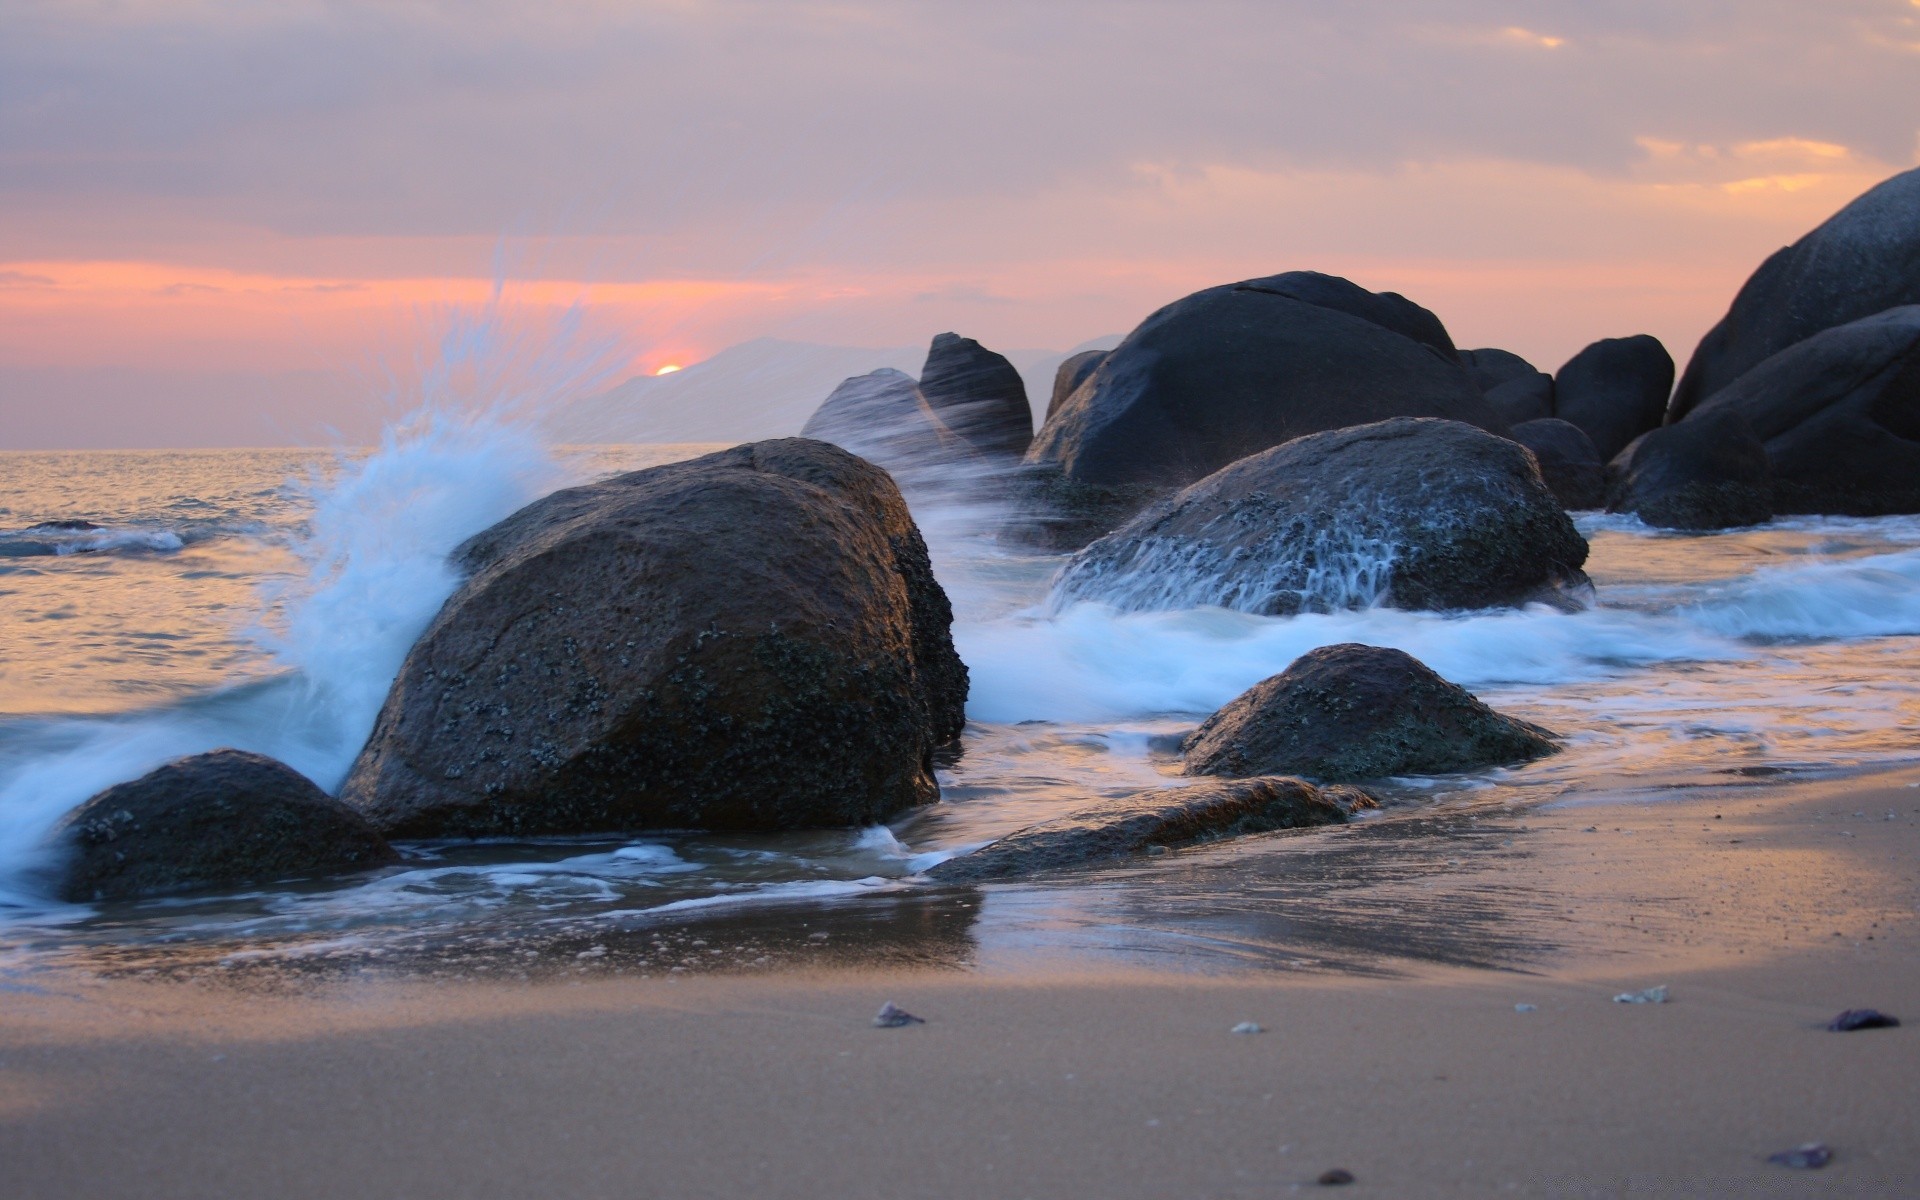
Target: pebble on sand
[
  {"x": 1653, "y": 995},
  {"x": 1810, "y": 1157},
  {"x": 1526, "y": 1008},
  {"x": 892, "y": 1016},
  {"x": 1335, "y": 1177},
  {"x": 1248, "y": 1027},
  {"x": 1862, "y": 1018}
]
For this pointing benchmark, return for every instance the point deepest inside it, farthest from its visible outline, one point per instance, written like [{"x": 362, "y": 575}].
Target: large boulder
[
  {"x": 1351, "y": 712},
  {"x": 1233, "y": 370},
  {"x": 1615, "y": 390},
  {"x": 1708, "y": 472},
  {"x": 1568, "y": 461},
  {"x": 883, "y": 418},
  {"x": 978, "y": 394},
  {"x": 1163, "y": 818},
  {"x": 1864, "y": 259},
  {"x": 1412, "y": 513},
  {"x": 1072, "y": 373},
  {"x": 1522, "y": 398},
  {"x": 1490, "y": 367},
  {"x": 752, "y": 640},
  {"x": 220, "y": 819},
  {"x": 1839, "y": 414}
]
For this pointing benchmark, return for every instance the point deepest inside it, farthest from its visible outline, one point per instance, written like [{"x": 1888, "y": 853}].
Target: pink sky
[{"x": 219, "y": 221}]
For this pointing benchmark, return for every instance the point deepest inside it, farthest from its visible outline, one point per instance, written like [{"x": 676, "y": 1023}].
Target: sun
[{"x": 669, "y": 369}]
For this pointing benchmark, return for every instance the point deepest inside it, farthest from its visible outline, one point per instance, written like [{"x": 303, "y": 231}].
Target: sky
[{"x": 239, "y": 222}]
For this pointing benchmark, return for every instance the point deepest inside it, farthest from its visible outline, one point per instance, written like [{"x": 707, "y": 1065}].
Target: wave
[{"x": 61, "y": 538}]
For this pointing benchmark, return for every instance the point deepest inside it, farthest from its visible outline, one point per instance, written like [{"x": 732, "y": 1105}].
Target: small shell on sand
[{"x": 892, "y": 1016}]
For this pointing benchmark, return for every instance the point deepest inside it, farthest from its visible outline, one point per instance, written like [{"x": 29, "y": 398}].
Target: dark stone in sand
[
  {"x": 1809, "y": 1157},
  {"x": 1233, "y": 370},
  {"x": 1350, "y": 712},
  {"x": 752, "y": 640},
  {"x": 1840, "y": 416},
  {"x": 213, "y": 820},
  {"x": 883, "y": 418},
  {"x": 1164, "y": 818},
  {"x": 1862, "y": 1018},
  {"x": 1568, "y": 461},
  {"x": 978, "y": 394},
  {"x": 1418, "y": 514},
  {"x": 1338, "y": 1177},
  {"x": 1528, "y": 398},
  {"x": 1862, "y": 260},
  {"x": 1708, "y": 472},
  {"x": 1615, "y": 390},
  {"x": 1491, "y": 367},
  {"x": 1072, "y": 373}
]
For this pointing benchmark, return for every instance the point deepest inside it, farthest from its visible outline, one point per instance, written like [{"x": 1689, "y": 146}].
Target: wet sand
[{"x": 1073, "y": 1076}]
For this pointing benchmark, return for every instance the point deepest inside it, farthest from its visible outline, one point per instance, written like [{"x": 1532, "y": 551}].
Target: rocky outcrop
[
  {"x": 1708, "y": 472},
  {"x": 1863, "y": 260},
  {"x": 1410, "y": 513},
  {"x": 752, "y": 640},
  {"x": 1352, "y": 712},
  {"x": 1162, "y": 818},
  {"x": 1568, "y": 461},
  {"x": 883, "y": 418},
  {"x": 1234, "y": 370},
  {"x": 1523, "y": 398},
  {"x": 1839, "y": 414},
  {"x": 978, "y": 394},
  {"x": 1615, "y": 390},
  {"x": 214, "y": 820},
  {"x": 1491, "y": 367},
  {"x": 1071, "y": 374}
]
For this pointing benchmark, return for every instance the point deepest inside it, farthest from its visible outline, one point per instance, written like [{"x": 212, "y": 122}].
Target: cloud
[{"x": 24, "y": 279}]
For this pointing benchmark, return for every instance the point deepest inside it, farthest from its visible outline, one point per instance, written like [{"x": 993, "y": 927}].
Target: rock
[
  {"x": 1707, "y": 472},
  {"x": 1862, "y": 1018},
  {"x": 892, "y": 1016},
  {"x": 1247, "y": 1027},
  {"x": 1337, "y": 1177},
  {"x": 1490, "y": 367},
  {"x": 1072, "y": 373},
  {"x": 978, "y": 394},
  {"x": 220, "y": 819},
  {"x": 752, "y": 640},
  {"x": 883, "y": 418},
  {"x": 1526, "y": 398},
  {"x": 1652, "y": 995},
  {"x": 1568, "y": 461},
  {"x": 1352, "y": 712},
  {"x": 1862, "y": 260},
  {"x": 1233, "y": 370},
  {"x": 1165, "y": 817},
  {"x": 1615, "y": 390},
  {"x": 1839, "y": 414},
  {"x": 1809, "y": 1156},
  {"x": 1411, "y": 513}
]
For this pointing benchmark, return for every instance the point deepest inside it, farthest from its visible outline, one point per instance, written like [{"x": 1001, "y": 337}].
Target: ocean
[{"x": 160, "y": 603}]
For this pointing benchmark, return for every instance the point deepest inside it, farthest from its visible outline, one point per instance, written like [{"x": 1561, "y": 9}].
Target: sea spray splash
[{"x": 375, "y": 557}]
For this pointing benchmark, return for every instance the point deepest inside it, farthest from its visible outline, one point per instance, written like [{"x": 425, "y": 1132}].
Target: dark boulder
[
  {"x": 752, "y": 640},
  {"x": 1615, "y": 390},
  {"x": 883, "y": 418},
  {"x": 1523, "y": 398},
  {"x": 1568, "y": 461},
  {"x": 1072, "y": 373},
  {"x": 1163, "y": 817},
  {"x": 1864, "y": 259},
  {"x": 220, "y": 819},
  {"x": 1839, "y": 414},
  {"x": 1708, "y": 472},
  {"x": 1351, "y": 712},
  {"x": 1233, "y": 370},
  {"x": 978, "y": 394},
  {"x": 1491, "y": 367},
  {"x": 1411, "y": 513}
]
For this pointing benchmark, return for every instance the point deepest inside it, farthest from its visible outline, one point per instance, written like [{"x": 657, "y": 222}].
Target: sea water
[{"x": 156, "y": 604}]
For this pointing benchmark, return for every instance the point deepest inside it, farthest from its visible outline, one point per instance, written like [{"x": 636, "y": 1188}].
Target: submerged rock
[
  {"x": 1352, "y": 712},
  {"x": 1233, "y": 370},
  {"x": 1568, "y": 461},
  {"x": 752, "y": 640},
  {"x": 1839, "y": 414},
  {"x": 220, "y": 819},
  {"x": 1708, "y": 472},
  {"x": 1159, "y": 819},
  {"x": 1615, "y": 390},
  {"x": 884, "y": 418},
  {"x": 1411, "y": 513},
  {"x": 1863, "y": 260},
  {"x": 978, "y": 394}
]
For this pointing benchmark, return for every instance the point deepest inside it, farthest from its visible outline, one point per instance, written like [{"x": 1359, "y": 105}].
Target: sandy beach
[{"x": 1765, "y": 910}]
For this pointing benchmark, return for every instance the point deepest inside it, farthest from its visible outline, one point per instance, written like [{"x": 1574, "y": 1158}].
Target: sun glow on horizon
[{"x": 669, "y": 369}]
